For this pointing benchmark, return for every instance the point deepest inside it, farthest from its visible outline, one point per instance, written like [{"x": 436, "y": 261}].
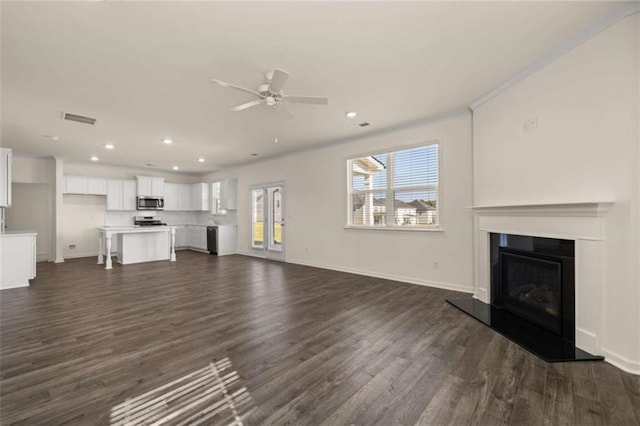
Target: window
[{"x": 396, "y": 189}]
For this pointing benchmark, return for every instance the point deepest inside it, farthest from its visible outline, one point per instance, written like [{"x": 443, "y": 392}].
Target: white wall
[
  {"x": 39, "y": 171},
  {"x": 584, "y": 149},
  {"x": 31, "y": 210},
  {"x": 316, "y": 204},
  {"x": 32, "y": 169},
  {"x": 81, "y": 215},
  {"x": 118, "y": 172}
]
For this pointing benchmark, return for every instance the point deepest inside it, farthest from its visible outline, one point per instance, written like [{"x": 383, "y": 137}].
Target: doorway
[{"x": 267, "y": 221}]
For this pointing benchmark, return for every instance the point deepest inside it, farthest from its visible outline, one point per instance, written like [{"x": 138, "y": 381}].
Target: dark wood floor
[{"x": 311, "y": 346}]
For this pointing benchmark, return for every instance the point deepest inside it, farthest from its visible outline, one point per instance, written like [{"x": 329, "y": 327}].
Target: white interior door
[{"x": 267, "y": 220}]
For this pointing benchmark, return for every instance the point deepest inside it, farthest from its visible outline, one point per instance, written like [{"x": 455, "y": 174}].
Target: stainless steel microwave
[{"x": 150, "y": 203}]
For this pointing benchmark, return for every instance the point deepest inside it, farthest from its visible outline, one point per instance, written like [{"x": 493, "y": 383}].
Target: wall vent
[
  {"x": 78, "y": 118},
  {"x": 365, "y": 124}
]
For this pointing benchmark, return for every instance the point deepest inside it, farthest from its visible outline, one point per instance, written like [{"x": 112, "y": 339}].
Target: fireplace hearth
[{"x": 532, "y": 295}]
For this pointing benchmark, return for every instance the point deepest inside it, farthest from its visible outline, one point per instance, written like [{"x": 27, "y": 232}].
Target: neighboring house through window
[{"x": 397, "y": 189}]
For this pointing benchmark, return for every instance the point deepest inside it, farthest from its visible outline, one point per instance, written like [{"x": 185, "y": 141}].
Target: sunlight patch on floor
[{"x": 210, "y": 395}]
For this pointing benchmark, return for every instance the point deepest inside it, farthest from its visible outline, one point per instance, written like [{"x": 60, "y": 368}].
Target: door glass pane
[
  {"x": 275, "y": 218},
  {"x": 257, "y": 218}
]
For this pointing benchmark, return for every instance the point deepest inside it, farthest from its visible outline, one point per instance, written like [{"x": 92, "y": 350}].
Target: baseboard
[
  {"x": 7, "y": 287},
  {"x": 409, "y": 280},
  {"x": 42, "y": 257},
  {"x": 587, "y": 341},
  {"x": 481, "y": 295},
  {"x": 621, "y": 362}
]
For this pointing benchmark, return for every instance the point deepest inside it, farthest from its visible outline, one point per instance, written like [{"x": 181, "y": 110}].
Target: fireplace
[
  {"x": 532, "y": 295},
  {"x": 534, "y": 278}
]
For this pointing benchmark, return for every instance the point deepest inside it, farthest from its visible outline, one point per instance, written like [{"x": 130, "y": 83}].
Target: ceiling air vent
[
  {"x": 365, "y": 124},
  {"x": 78, "y": 118}
]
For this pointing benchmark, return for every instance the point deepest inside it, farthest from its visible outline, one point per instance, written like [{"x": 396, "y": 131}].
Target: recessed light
[
  {"x": 167, "y": 141},
  {"x": 94, "y": 158},
  {"x": 200, "y": 160},
  {"x": 254, "y": 155},
  {"x": 351, "y": 114},
  {"x": 55, "y": 138},
  {"x": 109, "y": 146},
  {"x": 176, "y": 168},
  {"x": 276, "y": 140}
]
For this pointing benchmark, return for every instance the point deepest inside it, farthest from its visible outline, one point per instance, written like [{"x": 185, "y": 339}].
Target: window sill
[{"x": 391, "y": 228}]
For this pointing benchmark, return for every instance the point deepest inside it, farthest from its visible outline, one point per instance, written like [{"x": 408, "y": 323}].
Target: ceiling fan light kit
[{"x": 272, "y": 94}]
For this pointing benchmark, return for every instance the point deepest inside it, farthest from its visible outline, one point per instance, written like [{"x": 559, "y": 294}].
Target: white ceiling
[{"x": 143, "y": 69}]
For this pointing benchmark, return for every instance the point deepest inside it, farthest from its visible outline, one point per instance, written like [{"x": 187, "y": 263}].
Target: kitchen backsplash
[{"x": 170, "y": 218}]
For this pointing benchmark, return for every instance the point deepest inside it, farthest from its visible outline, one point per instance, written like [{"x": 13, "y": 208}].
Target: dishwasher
[{"x": 212, "y": 239}]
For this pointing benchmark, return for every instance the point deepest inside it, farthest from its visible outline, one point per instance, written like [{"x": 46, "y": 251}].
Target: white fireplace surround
[{"x": 583, "y": 223}]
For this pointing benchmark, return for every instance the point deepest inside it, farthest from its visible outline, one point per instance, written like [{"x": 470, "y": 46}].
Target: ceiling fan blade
[
  {"x": 283, "y": 111},
  {"x": 233, "y": 86},
  {"x": 245, "y": 105},
  {"x": 316, "y": 100},
  {"x": 278, "y": 81}
]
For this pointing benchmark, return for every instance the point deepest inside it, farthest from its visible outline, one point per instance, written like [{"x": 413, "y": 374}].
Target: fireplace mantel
[
  {"x": 582, "y": 222},
  {"x": 582, "y": 209}
]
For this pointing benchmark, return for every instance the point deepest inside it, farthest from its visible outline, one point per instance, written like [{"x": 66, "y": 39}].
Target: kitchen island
[{"x": 136, "y": 244}]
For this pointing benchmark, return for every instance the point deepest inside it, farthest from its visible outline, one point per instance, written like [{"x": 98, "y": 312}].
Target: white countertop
[
  {"x": 17, "y": 233},
  {"x": 134, "y": 229}
]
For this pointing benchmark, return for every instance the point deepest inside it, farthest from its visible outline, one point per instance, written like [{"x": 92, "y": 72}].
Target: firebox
[
  {"x": 534, "y": 278},
  {"x": 531, "y": 287}
]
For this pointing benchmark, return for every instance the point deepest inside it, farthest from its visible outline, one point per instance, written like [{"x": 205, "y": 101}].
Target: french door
[{"x": 267, "y": 220}]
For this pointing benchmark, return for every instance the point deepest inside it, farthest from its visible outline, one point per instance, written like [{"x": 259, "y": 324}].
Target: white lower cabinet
[
  {"x": 18, "y": 259},
  {"x": 197, "y": 237},
  {"x": 181, "y": 235}
]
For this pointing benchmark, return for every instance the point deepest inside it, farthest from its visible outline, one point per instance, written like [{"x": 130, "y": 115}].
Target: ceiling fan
[{"x": 271, "y": 93}]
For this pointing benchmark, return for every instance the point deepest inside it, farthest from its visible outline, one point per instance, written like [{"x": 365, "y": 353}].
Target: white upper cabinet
[
  {"x": 224, "y": 195},
  {"x": 121, "y": 195},
  {"x": 85, "y": 185},
  {"x": 184, "y": 197},
  {"x": 150, "y": 186},
  {"x": 114, "y": 195},
  {"x": 96, "y": 186},
  {"x": 5, "y": 177},
  {"x": 75, "y": 185},
  {"x": 229, "y": 194},
  {"x": 171, "y": 196},
  {"x": 129, "y": 195},
  {"x": 200, "y": 196}
]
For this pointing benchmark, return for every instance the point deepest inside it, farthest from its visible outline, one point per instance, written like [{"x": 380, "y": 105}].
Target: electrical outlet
[
  {"x": 72, "y": 246},
  {"x": 531, "y": 124}
]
